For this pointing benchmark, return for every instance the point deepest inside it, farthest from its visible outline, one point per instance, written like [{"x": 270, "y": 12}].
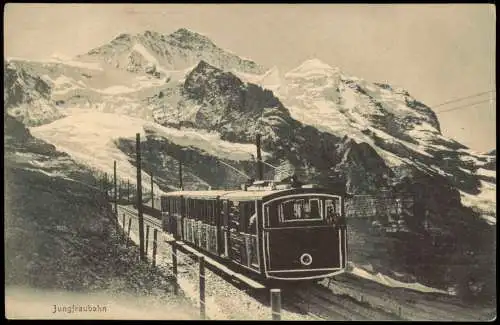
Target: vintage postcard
[{"x": 250, "y": 162}]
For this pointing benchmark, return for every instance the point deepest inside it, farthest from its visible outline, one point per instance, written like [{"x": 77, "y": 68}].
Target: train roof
[
  {"x": 230, "y": 194},
  {"x": 242, "y": 195}
]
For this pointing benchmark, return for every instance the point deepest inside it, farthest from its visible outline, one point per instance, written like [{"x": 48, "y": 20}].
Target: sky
[{"x": 438, "y": 52}]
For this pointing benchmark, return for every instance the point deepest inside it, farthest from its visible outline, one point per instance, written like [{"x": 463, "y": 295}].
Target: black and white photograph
[{"x": 302, "y": 162}]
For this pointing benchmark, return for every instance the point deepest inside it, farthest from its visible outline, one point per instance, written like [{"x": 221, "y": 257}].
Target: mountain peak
[
  {"x": 202, "y": 65},
  {"x": 149, "y": 33},
  {"x": 123, "y": 37},
  {"x": 311, "y": 66},
  {"x": 315, "y": 63},
  {"x": 186, "y": 35}
]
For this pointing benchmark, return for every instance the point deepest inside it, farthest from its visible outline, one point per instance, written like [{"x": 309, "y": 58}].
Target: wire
[
  {"x": 467, "y": 105},
  {"x": 462, "y": 98},
  {"x": 233, "y": 168},
  {"x": 269, "y": 164}
]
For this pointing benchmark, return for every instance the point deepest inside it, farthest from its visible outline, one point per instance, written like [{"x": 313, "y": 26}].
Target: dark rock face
[
  {"x": 17, "y": 138},
  {"x": 22, "y": 87},
  {"x": 14, "y": 130},
  {"x": 238, "y": 110}
]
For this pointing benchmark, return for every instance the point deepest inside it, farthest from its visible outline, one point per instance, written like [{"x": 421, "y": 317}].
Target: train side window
[
  {"x": 248, "y": 217},
  {"x": 234, "y": 215},
  {"x": 206, "y": 218},
  {"x": 193, "y": 208},
  {"x": 225, "y": 213},
  {"x": 198, "y": 209},
  {"x": 246, "y": 210},
  {"x": 208, "y": 215},
  {"x": 211, "y": 210}
]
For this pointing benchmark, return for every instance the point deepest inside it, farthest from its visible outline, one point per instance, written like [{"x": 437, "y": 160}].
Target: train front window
[
  {"x": 300, "y": 209},
  {"x": 333, "y": 211}
]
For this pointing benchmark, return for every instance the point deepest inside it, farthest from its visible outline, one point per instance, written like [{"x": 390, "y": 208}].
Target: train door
[
  {"x": 251, "y": 229},
  {"x": 335, "y": 215},
  {"x": 224, "y": 243}
]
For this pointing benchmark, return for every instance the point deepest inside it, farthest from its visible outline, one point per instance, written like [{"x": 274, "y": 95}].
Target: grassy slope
[{"x": 61, "y": 235}]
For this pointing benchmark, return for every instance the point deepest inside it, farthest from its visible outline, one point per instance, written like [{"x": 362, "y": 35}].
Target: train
[{"x": 267, "y": 230}]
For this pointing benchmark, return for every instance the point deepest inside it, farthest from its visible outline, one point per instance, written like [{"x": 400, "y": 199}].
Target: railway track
[
  {"x": 351, "y": 298},
  {"x": 319, "y": 302},
  {"x": 148, "y": 219}
]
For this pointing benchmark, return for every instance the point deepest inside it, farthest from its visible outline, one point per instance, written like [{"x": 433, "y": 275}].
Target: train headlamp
[{"x": 306, "y": 259}]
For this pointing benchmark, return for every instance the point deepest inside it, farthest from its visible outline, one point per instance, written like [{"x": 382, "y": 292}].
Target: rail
[{"x": 202, "y": 260}]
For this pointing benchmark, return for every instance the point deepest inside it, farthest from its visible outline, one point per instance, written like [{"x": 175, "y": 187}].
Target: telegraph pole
[
  {"x": 139, "y": 197},
  {"x": 106, "y": 186},
  {"x": 152, "y": 194},
  {"x": 180, "y": 170},
  {"x": 128, "y": 191},
  {"x": 116, "y": 192},
  {"x": 259, "y": 158}
]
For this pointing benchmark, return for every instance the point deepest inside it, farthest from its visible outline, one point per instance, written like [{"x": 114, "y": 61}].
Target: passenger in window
[
  {"x": 296, "y": 213},
  {"x": 252, "y": 224},
  {"x": 330, "y": 215}
]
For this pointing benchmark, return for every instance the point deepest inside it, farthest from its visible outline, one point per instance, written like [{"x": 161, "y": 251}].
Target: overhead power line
[
  {"x": 462, "y": 98},
  {"x": 466, "y": 106}
]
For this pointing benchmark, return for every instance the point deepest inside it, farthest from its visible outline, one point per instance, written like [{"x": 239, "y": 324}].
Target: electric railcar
[{"x": 271, "y": 232}]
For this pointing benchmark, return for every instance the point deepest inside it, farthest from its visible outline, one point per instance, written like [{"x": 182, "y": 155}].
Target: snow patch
[
  {"x": 148, "y": 56},
  {"x": 390, "y": 282},
  {"x": 90, "y": 138},
  {"x": 486, "y": 172},
  {"x": 484, "y": 203},
  {"x": 113, "y": 90}
]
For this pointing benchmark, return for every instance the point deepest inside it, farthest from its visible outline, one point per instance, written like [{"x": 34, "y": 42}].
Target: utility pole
[
  {"x": 116, "y": 192},
  {"x": 180, "y": 170},
  {"x": 152, "y": 194},
  {"x": 139, "y": 197},
  {"x": 128, "y": 191},
  {"x": 106, "y": 194},
  {"x": 259, "y": 158}
]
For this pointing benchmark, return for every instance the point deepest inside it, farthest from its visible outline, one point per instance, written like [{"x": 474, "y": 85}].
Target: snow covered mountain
[
  {"x": 402, "y": 130},
  {"x": 185, "y": 78},
  {"x": 192, "y": 101},
  {"x": 157, "y": 54}
]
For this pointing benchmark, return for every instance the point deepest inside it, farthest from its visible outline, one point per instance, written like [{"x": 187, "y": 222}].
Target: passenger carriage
[{"x": 271, "y": 230}]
